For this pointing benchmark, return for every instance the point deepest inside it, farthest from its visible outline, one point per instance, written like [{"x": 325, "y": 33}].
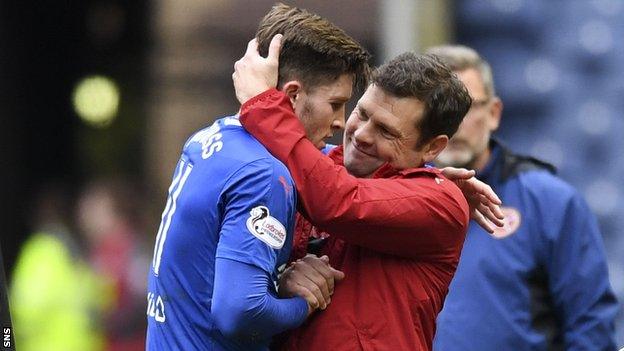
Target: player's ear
[
  {"x": 434, "y": 147},
  {"x": 292, "y": 88}
]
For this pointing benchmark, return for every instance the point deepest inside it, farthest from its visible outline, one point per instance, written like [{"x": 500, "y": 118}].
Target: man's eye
[
  {"x": 336, "y": 106},
  {"x": 386, "y": 133},
  {"x": 361, "y": 115}
]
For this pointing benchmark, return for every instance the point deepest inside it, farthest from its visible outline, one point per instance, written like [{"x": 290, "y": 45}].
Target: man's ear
[
  {"x": 292, "y": 88},
  {"x": 434, "y": 147},
  {"x": 496, "y": 111}
]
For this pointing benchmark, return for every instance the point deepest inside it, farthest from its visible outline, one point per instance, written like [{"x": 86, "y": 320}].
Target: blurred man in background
[
  {"x": 56, "y": 297},
  {"x": 541, "y": 281},
  {"x": 110, "y": 221}
]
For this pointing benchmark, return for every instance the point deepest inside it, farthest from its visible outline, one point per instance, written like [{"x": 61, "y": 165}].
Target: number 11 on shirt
[{"x": 182, "y": 173}]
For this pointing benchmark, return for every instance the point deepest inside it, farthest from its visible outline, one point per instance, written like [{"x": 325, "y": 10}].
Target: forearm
[
  {"x": 595, "y": 331},
  {"x": 579, "y": 281},
  {"x": 588, "y": 304},
  {"x": 243, "y": 306},
  {"x": 591, "y": 325}
]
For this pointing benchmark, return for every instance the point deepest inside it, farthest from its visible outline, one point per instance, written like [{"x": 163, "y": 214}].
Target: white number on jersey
[{"x": 179, "y": 179}]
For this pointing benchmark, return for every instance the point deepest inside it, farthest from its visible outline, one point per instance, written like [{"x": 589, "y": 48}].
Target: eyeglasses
[{"x": 478, "y": 103}]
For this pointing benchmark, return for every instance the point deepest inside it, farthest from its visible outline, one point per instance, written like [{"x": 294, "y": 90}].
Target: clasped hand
[{"x": 311, "y": 278}]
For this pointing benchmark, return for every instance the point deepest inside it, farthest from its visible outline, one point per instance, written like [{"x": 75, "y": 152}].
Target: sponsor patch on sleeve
[{"x": 265, "y": 227}]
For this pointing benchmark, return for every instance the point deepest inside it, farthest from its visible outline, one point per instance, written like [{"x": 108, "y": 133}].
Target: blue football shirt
[{"x": 231, "y": 199}]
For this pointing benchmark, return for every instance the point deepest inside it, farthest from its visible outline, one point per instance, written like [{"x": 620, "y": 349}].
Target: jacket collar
[
  {"x": 386, "y": 170},
  {"x": 504, "y": 163}
]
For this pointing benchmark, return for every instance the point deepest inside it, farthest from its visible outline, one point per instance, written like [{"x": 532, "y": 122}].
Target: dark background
[{"x": 44, "y": 49}]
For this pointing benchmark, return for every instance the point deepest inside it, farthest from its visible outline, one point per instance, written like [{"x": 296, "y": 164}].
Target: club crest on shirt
[
  {"x": 512, "y": 223},
  {"x": 265, "y": 227}
]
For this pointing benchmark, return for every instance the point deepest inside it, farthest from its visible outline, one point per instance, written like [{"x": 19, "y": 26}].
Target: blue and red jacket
[{"x": 541, "y": 282}]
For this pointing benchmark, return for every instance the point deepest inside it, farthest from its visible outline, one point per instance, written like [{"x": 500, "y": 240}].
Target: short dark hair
[
  {"x": 426, "y": 78},
  {"x": 314, "y": 50}
]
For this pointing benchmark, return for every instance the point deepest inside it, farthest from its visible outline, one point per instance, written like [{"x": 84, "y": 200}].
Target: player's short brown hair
[
  {"x": 426, "y": 78},
  {"x": 314, "y": 51}
]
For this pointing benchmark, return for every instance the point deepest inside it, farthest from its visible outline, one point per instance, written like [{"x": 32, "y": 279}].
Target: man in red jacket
[{"x": 398, "y": 229}]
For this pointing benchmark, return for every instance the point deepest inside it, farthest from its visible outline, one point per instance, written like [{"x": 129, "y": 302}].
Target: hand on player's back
[{"x": 483, "y": 201}]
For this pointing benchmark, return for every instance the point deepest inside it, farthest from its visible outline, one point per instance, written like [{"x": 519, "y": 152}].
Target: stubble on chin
[{"x": 354, "y": 168}]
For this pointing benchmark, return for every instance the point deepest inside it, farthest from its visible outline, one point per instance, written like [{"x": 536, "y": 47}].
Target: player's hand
[
  {"x": 311, "y": 278},
  {"x": 254, "y": 74},
  {"x": 483, "y": 201}
]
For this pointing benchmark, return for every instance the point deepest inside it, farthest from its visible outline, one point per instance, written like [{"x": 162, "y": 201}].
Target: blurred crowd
[{"x": 89, "y": 294}]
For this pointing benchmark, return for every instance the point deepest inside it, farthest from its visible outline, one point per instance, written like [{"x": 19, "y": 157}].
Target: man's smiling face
[{"x": 383, "y": 128}]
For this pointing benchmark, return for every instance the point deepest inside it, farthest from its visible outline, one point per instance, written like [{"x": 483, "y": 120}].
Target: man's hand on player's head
[
  {"x": 253, "y": 73},
  {"x": 483, "y": 201},
  {"x": 311, "y": 278}
]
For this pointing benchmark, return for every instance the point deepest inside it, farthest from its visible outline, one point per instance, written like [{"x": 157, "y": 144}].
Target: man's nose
[{"x": 363, "y": 135}]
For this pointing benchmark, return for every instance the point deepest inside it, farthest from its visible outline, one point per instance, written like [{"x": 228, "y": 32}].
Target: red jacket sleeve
[{"x": 415, "y": 217}]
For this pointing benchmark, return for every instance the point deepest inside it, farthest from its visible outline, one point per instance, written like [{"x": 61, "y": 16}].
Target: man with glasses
[{"x": 540, "y": 282}]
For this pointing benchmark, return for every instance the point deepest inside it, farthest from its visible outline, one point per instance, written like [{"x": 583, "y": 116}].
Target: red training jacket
[{"x": 397, "y": 237}]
